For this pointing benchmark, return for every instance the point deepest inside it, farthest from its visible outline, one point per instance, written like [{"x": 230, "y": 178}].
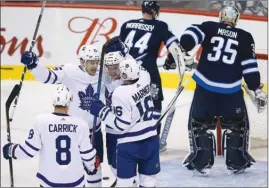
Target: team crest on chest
[{"x": 87, "y": 97}]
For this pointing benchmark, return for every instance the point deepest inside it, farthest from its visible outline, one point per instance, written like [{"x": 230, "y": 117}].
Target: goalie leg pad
[
  {"x": 235, "y": 144},
  {"x": 202, "y": 145}
]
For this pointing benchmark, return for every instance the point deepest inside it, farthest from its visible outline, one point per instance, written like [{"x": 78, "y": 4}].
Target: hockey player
[
  {"x": 144, "y": 38},
  {"x": 228, "y": 56},
  {"x": 112, "y": 81},
  {"x": 131, "y": 115},
  {"x": 82, "y": 81},
  {"x": 64, "y": 146}
]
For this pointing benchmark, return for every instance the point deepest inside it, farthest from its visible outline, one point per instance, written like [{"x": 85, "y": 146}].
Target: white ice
[{"x": 35, "y": 98}]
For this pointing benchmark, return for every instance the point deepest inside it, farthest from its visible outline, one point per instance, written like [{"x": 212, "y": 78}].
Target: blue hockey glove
[
  {"x": 96, "y": 107},
  {"x": 8, "y": 150},
  {"x": 29, "y": 59},
  {"x": 123, "y": 48}
]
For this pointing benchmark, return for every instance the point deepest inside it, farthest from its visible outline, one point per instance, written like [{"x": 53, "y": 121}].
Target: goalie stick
[
  {"x": 15, "y": 95},
  {"x": 170, "y": 110}
]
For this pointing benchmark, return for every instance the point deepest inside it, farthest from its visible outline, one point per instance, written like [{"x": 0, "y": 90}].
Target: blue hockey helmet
[{"x": 151, "y": 7}]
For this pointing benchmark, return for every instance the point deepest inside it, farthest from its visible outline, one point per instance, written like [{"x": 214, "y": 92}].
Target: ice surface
[{"x": 36, "y": 98}]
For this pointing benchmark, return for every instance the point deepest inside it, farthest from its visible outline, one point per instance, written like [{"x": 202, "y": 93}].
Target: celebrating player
[
  {"x": 228, "y": 56},
  {"x": 55, "y": 135},
  {"x": 82, "y": 81},
  {"x": 131, "y": 115}
]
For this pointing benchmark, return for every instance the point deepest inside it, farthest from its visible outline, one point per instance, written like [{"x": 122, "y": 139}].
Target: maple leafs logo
[{"x": 87, "y": 97}]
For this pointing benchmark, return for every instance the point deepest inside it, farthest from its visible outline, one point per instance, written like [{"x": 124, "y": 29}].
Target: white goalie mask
[
  {"x": 62, "y": 96},
  {"x": 112, "y": 61},
  {"x": 229, "y": 14},
  {"x": 129, "y": 69}
]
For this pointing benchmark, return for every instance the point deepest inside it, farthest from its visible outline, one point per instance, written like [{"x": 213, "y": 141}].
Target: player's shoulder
[
  {"x": 122, "y": 92},
  {"x": 43, "y": 117},
  {"x": 80, "y": 122}
]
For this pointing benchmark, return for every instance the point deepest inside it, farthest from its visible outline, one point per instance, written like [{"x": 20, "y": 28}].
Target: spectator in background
[{"x": 257, "y": 8}]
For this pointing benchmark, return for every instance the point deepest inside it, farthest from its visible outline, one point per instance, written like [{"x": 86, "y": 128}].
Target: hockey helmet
[
  {"x": 129, "y": 69},
  {"x": 229, "y": 14},
  {"x": 62, "y": 96},
  {"x": 151, "y": 7}
]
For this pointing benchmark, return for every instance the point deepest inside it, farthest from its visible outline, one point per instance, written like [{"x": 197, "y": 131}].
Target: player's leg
[
  {"x": 149, "y": 165},
  {"x": 202, "y": 141},
  {"x": 111, "y": 144},
  {"x": 96, "y": 179},
  {"x": 236, "y": 135},
  {"x": 126, "y": 155}
]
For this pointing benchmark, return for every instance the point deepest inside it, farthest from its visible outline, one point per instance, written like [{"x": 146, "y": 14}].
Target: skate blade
[
  {"x": 235, "y": 172},
  {"x": 204, "y": 173}
]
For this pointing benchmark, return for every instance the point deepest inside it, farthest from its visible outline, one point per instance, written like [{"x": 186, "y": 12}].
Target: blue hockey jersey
[
  {"x": 227, "y": 57},
  {"x": 144, "y": 38}
]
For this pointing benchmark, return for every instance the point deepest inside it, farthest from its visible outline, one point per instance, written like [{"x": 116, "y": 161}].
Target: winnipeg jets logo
[{"x": 87, "y": 97}]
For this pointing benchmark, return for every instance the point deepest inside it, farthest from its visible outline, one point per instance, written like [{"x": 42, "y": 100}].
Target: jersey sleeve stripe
[
  {"x": 31, "y": 146},
  {"x": 250, "y": 70},
  {"x": 87, "y": 160},
  {"x": 94, "y": 181},
  {"x": 55, "y": 77},
  {"x": 87, "y": 151},
  {"x": 249, "y": 61},
  {"x": 195, "y": 28},
  {"x": 192, "y": 34},
  {"x": 25, "y": 151},
  {"x": 115, "y": 123},
  {"x": 52, "y": 184},
  {"x": 170, "y": 40},
  {"x": 48, "y": 79}
]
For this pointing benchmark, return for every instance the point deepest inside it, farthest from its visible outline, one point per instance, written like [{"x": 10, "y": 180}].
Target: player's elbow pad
[
  {"x": 187, "y": 42},
  {"x": 253, "y": 80}
]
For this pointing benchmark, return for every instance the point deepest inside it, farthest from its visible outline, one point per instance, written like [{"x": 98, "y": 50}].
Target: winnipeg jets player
[
  {"x": 227, "y": 58},
  {"x": 64, "y": 145},
  {"x": 81, "y": 80},
  {"x": 131, "y": 115}
]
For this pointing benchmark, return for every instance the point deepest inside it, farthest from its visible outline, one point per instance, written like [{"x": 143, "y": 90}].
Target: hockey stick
[
  {"x": 171, "y": 111},
  {"x": 99, "y": 84},
  {"x": 15, "y": 95}
]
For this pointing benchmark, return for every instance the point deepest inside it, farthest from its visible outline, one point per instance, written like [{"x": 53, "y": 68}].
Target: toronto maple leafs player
[
  {"x": 112, "y": 81},
  {"x": 131, "y": 115},
  {"x": 227, "y": 57},
  {"x": 54, "y": 136},
  {"x": 144, "y": 38},
  {"x": 82, "y": 81}
]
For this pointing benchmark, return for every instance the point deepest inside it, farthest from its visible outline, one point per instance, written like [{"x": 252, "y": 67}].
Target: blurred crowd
[{"x": 255, "y": 7}]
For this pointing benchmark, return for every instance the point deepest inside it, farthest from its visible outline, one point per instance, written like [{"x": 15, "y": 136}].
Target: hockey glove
[
  {"x": 8, "y": 150},
  {"x": 95, "y": 168},
  {"x": 261, "y": 98},
  {"x": 96, "y": 107},
  {"x": 120, "y": 46},
  {"x": 189, "y": 61},
  {"x": 170, "y": 63},
  {"x": 29, "y": 59}
]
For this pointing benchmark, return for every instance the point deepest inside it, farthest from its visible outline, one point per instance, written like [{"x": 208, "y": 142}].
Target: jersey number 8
[
  {"x": 228, "y": 54},
  {"x": 63, "y": 155}
]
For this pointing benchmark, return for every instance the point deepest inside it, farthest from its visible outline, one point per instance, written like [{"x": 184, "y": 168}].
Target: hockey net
[{"x": 258, "y": 121}]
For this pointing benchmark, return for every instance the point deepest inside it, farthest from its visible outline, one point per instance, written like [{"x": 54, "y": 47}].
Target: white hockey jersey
[
  {"x": 82, "y": 86},
  {"x": 131, "y": 112},
  {"x": 63, "y": 142}
]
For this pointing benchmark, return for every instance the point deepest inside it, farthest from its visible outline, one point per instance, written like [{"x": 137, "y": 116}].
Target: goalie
[{"x": 228, "y": 56}]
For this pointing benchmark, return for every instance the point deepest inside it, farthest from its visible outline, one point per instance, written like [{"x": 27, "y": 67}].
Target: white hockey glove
[
  {"x": 189, "y": 61},
  {"x": 261, "y": 98}
]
